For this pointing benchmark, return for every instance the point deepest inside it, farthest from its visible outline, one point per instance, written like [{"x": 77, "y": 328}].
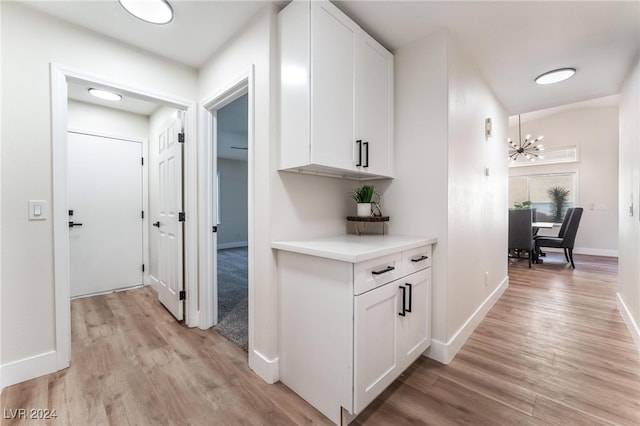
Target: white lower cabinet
[
  {"x": 349, "y": 329},
  {"x": 391, "y": 329}
]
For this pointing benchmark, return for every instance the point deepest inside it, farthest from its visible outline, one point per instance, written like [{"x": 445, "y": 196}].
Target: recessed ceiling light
[
  {"x": 152, "y": 11},
  {"x": 103, "y": 94},
  {"x": 555, "y": 76}
]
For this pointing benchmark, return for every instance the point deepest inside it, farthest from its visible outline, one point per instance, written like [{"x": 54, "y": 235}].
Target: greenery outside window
[{"x": 543, "y": 192}]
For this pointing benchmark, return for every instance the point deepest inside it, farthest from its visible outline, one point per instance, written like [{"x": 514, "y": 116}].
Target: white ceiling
[
  {"x": 512, "y": 42},
  {"x": 80, "y": 92}
]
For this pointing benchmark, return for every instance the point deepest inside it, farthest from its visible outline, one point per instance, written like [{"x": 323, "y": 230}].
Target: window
[{"x": 550, "y": 194}]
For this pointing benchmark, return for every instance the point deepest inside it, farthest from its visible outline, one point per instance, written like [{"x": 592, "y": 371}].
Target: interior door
[
  {"x": 169, "y": 225},
  {"x": 105, "y": 213}
]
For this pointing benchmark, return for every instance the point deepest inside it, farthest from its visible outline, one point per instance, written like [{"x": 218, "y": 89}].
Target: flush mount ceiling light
[
  {"x": 555, "y": 76},
  {"x": 152, "y": 11},
  {"x": 528, "y": 148},
  {"x": 103, "y": 94}
]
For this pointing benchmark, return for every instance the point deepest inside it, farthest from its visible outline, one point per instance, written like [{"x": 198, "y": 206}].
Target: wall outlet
[{"x": 486, "y": 279}]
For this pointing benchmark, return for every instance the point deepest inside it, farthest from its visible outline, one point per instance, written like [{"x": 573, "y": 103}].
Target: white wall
[
  {"x": 286, "y": 205},
  {"x": 629, "y": 189},
  {"x": 28, "y": 326},
  {"x": 232, "y": 230},
  {"x": 107, "y": 121},
  {"x": 440, "y": 189},
  {"x": 595, "y": 132}
]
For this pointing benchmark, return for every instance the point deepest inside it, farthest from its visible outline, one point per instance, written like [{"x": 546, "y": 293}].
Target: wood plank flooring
[{"x": 552, "y": 351}]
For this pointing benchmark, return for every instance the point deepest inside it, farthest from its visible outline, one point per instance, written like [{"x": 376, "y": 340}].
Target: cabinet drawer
[
  {"x": 376, "y": 272},
  {"x": 415, "y": 259}
]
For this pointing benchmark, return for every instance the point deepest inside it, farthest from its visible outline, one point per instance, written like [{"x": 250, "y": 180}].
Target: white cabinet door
[
  {"x": 376, "y": 337},
  {"x": 374, "y": 105},
  {"x": 333, "y": 42},
  {"x": 414, "y": 332}
]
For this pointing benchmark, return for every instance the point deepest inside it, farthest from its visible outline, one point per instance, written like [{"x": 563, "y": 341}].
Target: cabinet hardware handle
[
  {"x": 359, "y": 142},
  {"x": 382, "y": 271},
  {"x": 420, "y": 259},
  {"x": 156, "y": 224},
  {"x": 404, "y": 306},
  {"x": 410, "y": 293},
  {"x": 366, "y": 157},
  {"x": 72, "y": 224}
]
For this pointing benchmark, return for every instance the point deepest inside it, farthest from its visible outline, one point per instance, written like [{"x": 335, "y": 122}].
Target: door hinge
[
  {"x": 142, "y": 161},
  {"x": 143, "y": 267},
  {"x": 180, "y": 137},
  {"x": 183, "y": 295},
  {"x": 142, "y": 214},
  {"x": 181, "y": 217},
  {"x": 214, "y": 229}
]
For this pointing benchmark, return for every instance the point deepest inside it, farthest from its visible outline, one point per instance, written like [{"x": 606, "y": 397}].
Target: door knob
[
  {"x": 72, "y": 224},
  {"x": 156, "y": 224}
]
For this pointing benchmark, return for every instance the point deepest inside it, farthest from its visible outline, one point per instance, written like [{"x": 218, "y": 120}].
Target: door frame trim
[
  {"x": 60, "y": 74},
  {"x": 242, "y": 84}
]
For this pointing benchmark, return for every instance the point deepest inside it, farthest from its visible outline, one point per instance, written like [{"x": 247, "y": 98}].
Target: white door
[
  {"x": 414, "y": 330},
  {"x": 105, "y": 213},
  {"x": 168, "y": 224},
  {"x": 333, "y": 41},
  {"x": 375, "y": 105},
  {"x": 376, "y": 336}
]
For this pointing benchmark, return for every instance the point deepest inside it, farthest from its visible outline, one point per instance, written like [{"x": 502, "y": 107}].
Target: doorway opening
[
  {"x": 227, "y": 164},
  {"x": 231, "y": 209},
  {"x": 62, "y": 80}
]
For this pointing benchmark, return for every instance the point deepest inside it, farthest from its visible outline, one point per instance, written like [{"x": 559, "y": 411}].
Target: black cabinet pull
[
  {"x": 410, "y": 293},
  {"x": 156, "y": 224},
  {"x": 420, "y": 259},
  {"x": 366, "y": 157},
  {"x": 72, "y": 224},
  {"x": 359, "y": 142},
  {"x": 404, "y": 306},
  {"x": 382, "y": 271}
]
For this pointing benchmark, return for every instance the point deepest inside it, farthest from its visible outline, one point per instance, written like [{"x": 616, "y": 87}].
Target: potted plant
[
  {"x": 362, "y": 196},
  {"x": 558, "y": 196},
  {"x": 522, "y": 205}
]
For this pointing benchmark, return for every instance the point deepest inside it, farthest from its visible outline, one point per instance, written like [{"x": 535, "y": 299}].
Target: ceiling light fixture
[
  {"x": 152, "y": 11},
  {"x": 555, "y": 76},
  {"x": 103, "y": 94},
  {"x": 528, "y": 148}
]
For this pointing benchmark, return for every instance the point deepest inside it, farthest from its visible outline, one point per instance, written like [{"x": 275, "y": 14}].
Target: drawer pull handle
[
  {"x": 410, "y": 292},
  {"x": 382, "y": 271},
  {"x": 404, "y": 306},
  {"x": 420, "y": 259}
]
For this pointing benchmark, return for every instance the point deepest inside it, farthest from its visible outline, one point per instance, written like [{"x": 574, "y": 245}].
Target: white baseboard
[
  {"x": 629, "y": 320},
  {"x": 445, "y": 352},
  {"x": 222, "y": 246},
  {"x": 28, "y": 368},
  {"x": 587, "y": 251},
  {"x": 268, "y": 370},
  {"x": 154, "y": 282}
]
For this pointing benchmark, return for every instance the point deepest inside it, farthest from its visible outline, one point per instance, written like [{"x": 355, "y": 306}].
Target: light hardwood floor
[{"x": 553, "y": 350}]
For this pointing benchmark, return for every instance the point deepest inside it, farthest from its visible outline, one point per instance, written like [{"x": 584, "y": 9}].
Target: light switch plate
[{"x": 37, "y": 210}]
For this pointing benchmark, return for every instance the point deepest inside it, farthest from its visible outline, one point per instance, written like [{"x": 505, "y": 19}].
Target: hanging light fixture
[{"x": 529, "y": 147}]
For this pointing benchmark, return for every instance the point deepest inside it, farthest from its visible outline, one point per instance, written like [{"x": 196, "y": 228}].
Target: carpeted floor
[{"x": 233, "y": 295}]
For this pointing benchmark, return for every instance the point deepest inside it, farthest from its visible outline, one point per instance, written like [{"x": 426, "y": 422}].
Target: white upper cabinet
[{"x": 336, "y": 104}]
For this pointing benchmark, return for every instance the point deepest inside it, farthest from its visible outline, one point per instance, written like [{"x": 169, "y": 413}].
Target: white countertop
[{"x": 353, "y": 248}]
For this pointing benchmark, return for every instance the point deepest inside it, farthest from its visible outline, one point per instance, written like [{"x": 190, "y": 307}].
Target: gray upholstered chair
[
  {"x": 520, "y": 232},
  {"x": 568, "y": 238}
]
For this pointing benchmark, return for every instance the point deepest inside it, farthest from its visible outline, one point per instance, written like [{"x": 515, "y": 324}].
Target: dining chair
[
  {"x": 521, "y": 232},
  {"x": 567, "y": 240},
  {"x": 563, "y": 229}
]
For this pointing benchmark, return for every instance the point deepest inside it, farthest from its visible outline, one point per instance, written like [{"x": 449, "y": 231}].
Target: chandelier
[{"x": 529, "y": 148}]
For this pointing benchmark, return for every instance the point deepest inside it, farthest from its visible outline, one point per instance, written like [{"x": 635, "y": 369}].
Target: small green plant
[
  {"x": 522, "y": 205},
  {"x": 363, "y": 194},
  {"x": 558, "y": 196}
]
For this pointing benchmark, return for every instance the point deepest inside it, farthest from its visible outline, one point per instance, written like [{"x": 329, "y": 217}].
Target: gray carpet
[{"x": 233, "y": 295}]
